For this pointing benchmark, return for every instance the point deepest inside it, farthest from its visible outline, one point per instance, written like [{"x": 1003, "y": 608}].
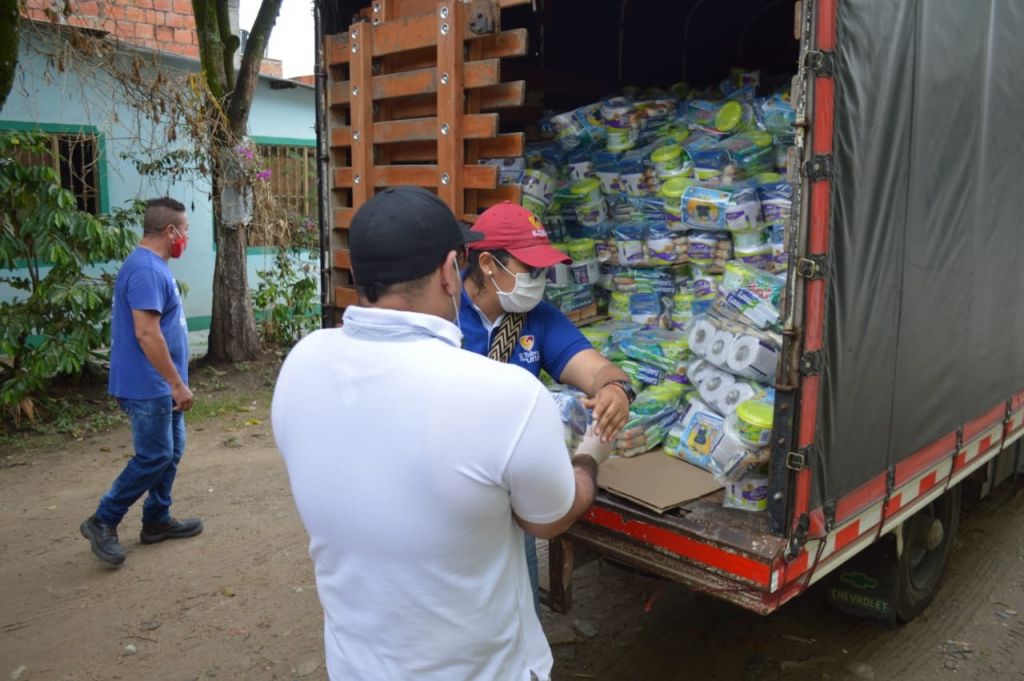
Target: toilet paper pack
[
  {"x": 720, "y": 347},
  {"x": 754, "y": 358}
]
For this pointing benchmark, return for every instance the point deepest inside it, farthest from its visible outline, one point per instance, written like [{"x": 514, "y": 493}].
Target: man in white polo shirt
[{"x": 416, "y": 466}]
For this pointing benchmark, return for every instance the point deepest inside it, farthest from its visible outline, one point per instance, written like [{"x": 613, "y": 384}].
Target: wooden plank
[
  {"x": 490, "y": 197},
  {"x": 345, "y": 296},
  {"x": 413, "y": 152},
  {"x": 407, "y": 7},
  {"x": 509, "y": 145},
  {"x": 503, "y": 96},
  {"x": 343, "y": 259},
  {"x": 514, "y": 43},
  {"x": 451, "y": 150},
  {"x": 479, "y": 126},
  {"x": 478, "y": 74},
  {"x": 343, "y": 218},
  {"x": 473, "y": 177},
  {"x": 362, "y": 129},
  {"x": 413, "y": 32},
  {"x": 414, "y": 107}
]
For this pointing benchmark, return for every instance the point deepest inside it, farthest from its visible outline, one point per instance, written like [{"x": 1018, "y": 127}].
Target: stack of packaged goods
[{"x": 673, "y": 210}]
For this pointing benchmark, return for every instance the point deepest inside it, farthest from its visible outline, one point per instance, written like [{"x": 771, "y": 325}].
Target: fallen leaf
[
  {"x": 227, "y": 591},
  {"x": 254, "y": 422},
  {"x": 51, "y": 508}
]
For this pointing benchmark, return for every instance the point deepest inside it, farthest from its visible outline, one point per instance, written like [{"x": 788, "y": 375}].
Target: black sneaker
[
  {"x": 103, "y": 539},
  {"x": 172, "y": 529}
]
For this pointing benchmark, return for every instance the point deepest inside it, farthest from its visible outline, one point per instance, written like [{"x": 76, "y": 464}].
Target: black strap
[{"x": 504, "y": 339}]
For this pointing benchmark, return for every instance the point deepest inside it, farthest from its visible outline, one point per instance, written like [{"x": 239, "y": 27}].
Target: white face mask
[{"x": 524, "y": 296}]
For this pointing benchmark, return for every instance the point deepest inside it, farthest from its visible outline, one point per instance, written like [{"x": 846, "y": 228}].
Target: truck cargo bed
[{"x": 702, "y": 544}]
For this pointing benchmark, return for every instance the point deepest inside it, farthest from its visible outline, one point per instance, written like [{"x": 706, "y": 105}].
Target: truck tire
[{"x": 927, "y": 541}]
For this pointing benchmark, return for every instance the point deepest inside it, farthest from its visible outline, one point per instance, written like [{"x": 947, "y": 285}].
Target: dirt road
[{"x": 239, "y": 602}]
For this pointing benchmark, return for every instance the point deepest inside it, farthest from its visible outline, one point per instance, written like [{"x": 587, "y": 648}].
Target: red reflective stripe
[
  {"x": 959, "y": 461},
  {"x": 924, "y": 459},
  {"x": 983, "y": 423},
  {"x": 895, "y": 504},
  {"x": 986, "y": 443},
  {"x": 845, "y": 536},
  {"x": 826, "y": 24},
  {"x": 824, "y": 115},
  {"x": 927, "y": 482},
  {"x": 795, "y": 568},
  {"x": 860, "y": 498},
  {"x": 741, "y": 566}
]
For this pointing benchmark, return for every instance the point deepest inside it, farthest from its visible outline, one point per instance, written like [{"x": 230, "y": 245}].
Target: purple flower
[
  {"x": 264, "y": 174},
  {"x": 245, "y": 152}
]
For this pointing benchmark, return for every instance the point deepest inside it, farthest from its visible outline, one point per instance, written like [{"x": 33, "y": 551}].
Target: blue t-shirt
[
  {"x": 145, "y": 282},
  {"x": 548, "y": 340}
]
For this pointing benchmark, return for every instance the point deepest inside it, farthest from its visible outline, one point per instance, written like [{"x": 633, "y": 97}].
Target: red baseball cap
[{"x": 512, "y": 228}]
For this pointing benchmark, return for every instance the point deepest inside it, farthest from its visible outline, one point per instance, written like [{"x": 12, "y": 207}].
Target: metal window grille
[{"x": 74, "y": 157}]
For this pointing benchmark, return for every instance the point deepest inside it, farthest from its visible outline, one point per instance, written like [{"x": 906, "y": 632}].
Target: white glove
[{"x": 594, "y": 448}]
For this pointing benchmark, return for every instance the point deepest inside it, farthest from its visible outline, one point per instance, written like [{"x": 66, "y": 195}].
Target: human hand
[
  {"x": 592, "y": 446},
  {"x": 611, "y": 411},
  {"x": 182, "y": 397}
]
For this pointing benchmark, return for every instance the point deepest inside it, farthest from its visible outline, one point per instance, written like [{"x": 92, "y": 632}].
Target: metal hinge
[
  {"x": 810, "y": 363},
  {"x": 818, "y": 168},
  {"x": 829, "y": 511},
  {"x": 800, "y": 459},
  {"x": 820, "y": 63},
  {"x": 812, "y": 267},
  {"x": 799, "y": 536}
]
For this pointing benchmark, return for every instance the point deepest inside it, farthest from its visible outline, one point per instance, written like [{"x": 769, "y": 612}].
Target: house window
[
  {"x": 292, "y": 182},
  {"x": 74, "y": 156}
]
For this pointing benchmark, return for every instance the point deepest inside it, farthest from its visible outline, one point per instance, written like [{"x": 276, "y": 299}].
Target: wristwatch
[{"x": 627, "y": 388}]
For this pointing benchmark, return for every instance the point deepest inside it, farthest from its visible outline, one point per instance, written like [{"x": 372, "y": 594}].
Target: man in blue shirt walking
[{"x": 149, "y": 378}]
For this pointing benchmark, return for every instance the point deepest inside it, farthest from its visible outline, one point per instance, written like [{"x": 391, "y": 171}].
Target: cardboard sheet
[{"x": 655, "y": 480}]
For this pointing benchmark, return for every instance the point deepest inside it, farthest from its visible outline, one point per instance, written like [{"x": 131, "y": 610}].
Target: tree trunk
[
  {"x": 8, "y": 47},
  {"x": 233, "y": 336}
]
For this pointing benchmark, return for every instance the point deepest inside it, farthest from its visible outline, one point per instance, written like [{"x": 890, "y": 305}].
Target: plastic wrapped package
[
  {"x": 644, "y": 433},
  {"x": 665, "y": 350},
  {"x": 575, "y": 417},
  {"x": 645, "y": 308},
  {"x": 660, "y": 245},
  {"x": 621, "y": 123},
  {"x": 696, "y": 434},
  {"x": 631, "y": 242},
  {"x": 640, "y": 374}
]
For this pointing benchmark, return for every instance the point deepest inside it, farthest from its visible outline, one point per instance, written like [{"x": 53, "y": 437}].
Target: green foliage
[
  {"x": 61, "y": 264},
  {"x": 286, "y": 300}
]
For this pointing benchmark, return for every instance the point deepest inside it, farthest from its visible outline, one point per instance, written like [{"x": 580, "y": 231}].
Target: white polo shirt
[{"x": 407, "y": 458}]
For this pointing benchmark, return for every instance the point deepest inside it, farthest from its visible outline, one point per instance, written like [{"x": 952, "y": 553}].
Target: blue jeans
[
  {"x": 158, "y": 435},
  {"x": 533, "y": 569}
]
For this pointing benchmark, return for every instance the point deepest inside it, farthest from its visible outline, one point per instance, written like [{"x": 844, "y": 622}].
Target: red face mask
[{"x": 179, "y": 244}]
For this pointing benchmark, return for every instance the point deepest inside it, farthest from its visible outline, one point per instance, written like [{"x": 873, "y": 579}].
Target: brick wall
[
  {"x": 272, "y": 67},
  {"x": 166, "y": 25}
]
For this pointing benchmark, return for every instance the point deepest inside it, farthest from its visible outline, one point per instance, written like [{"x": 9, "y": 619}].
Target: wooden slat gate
[{"x": 413, "y": 95}]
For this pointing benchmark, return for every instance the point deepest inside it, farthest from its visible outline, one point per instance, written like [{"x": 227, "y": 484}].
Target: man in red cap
[{"x": 504, "y": 316}]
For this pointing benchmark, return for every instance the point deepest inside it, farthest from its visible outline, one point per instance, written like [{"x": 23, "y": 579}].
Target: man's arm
[
  {"x": 584, "y": 469},
  {"x": 154, "y": 346}
]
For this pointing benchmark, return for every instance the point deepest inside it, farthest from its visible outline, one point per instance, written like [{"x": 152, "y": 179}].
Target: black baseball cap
[{"x": 402, "y": 234}]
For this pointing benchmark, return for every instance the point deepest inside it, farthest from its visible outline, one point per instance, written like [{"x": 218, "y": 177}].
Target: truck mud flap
[{"x": 867, "y": 585}]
